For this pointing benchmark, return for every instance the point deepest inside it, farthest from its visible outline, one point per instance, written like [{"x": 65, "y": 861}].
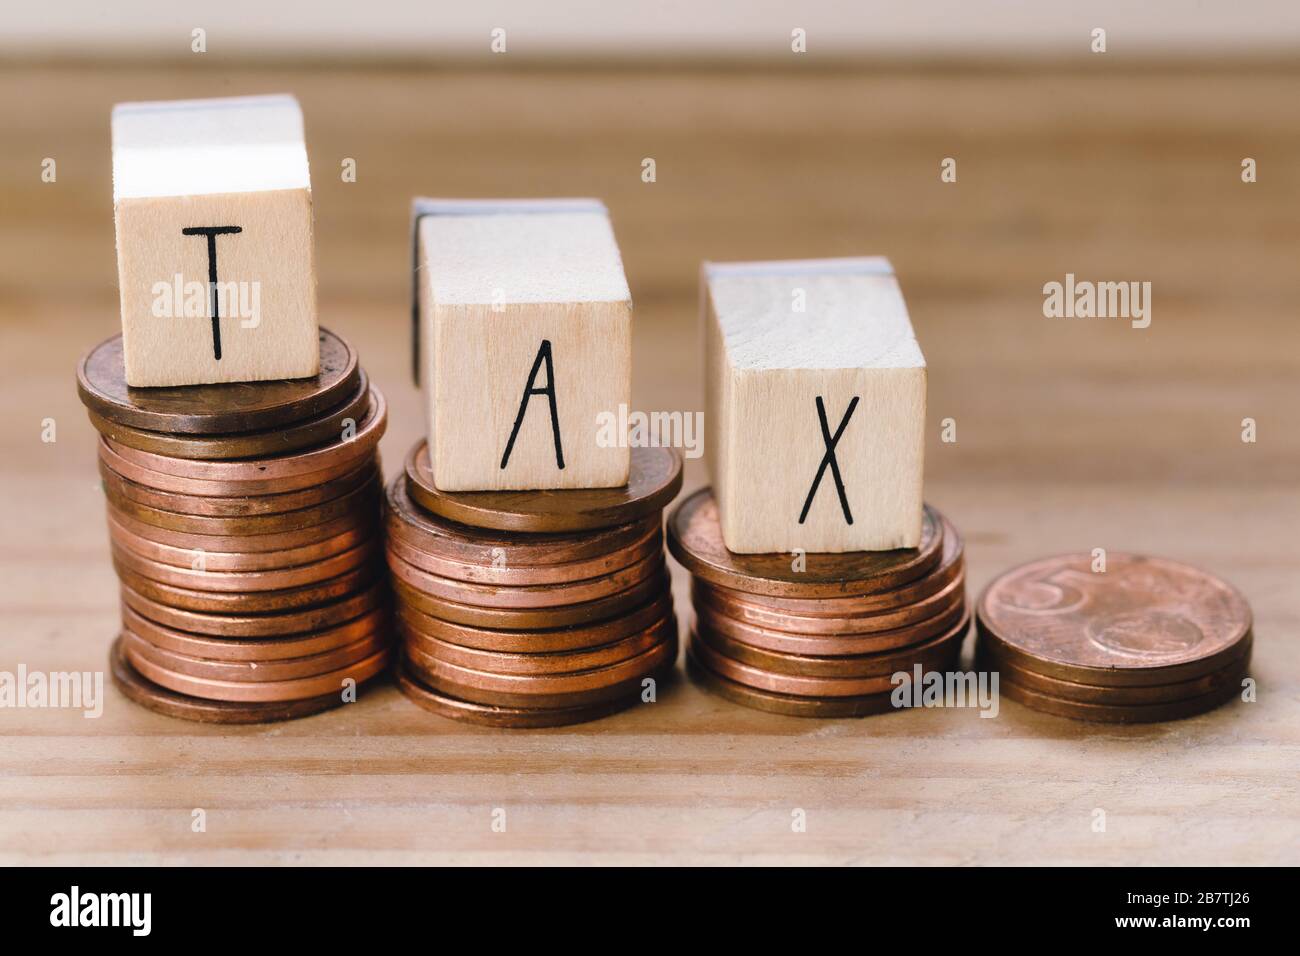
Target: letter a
[{"x": 531, "y": 389}]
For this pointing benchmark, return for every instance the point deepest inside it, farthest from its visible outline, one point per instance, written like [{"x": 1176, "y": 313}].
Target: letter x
[
  {"x": 829, "y": 459},
  {"x": 212, "y": 232}
]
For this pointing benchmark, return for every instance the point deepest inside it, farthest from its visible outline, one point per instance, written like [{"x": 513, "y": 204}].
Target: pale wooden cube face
[
  {"x": 479, "y": 363},
  {"x": 815, "y": 390},
  {"x": 267, "y": 275},
  {"x": 773, "y": 447}
]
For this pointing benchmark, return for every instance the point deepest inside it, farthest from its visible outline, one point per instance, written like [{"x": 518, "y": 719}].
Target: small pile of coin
[
  {"x": 1117, "y": 638},
  {"x": 818, "y": 635},
  {"x": 244, "y": 524},
  {"x": 531, "y": 609}
]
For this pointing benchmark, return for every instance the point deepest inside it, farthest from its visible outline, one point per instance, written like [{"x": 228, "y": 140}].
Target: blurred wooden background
[{"x": 1071, "y": 435}]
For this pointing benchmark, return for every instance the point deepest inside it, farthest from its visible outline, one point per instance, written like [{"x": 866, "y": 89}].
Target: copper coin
[
  {"x": 1141, "y": 621},
  {"x": 323, "y": 427},
  {"x": 236, "y": 488},
  {"x": 238, "y": 561},
  {"x": 846, "y": 672},
  {"x": 801, "y": 685},
  {"x": 1232, "y": 673},
  {"x": 498, "y": 571},
  {"x": 486, "y": 548},
  {"x": 695, "y": 540},
  {"x": 527, "y": 596},
  {"x": 790, "y": 705},
  {"x": 244, "y": 581},
  {"x": 363, "y": 499},
  {"x": 163, "y": 701},
  {"x": 491, "y": 715},
  {"x": 362, "y": 523},
  {"x": 564, "y": 662},
  {"x": 1118, "y": 714},
  {"x": 520, "y": 619},
  {"x": 722, "y": 601},
  {"x": 554, "y": 640},
  {"x": 654, "y": 480},
  {"x": 282, "y": 601},
  {"x": 296, "y": 464},
  {"x": 832, "y": 645},
  {"x": 293, "y": 668},
  {"x": 227, "y": 506},
  {"x": 213, "y": 409},
  {"x": 491, "y": 577},
  {"x": 548, "y": 684},
  {"x": 524, "y": 691},
  {"x": 250, "y": 691},
  {"x": 806, "y": 611},
  {"x": 295, "y": 622},
  {"x": 373, "y": 622}
]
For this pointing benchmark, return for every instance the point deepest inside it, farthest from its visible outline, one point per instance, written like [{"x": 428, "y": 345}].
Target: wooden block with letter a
[
  {"x": 215, "y": 261},
  {"x": 815, "y": 406},
  {"x": 524, "y": 343}
]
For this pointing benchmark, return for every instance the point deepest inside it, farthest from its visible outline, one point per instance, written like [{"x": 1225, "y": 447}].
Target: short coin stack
[
  {"x": 532, "y": 609},
  {"x": 1118, "y": 639},
  {"x": 818, "y": 635},
  {"x": 244, "y": 527}
]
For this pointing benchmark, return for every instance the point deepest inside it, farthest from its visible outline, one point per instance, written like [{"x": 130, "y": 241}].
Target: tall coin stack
[
  {"x": 244, "y": 527},
  {"x": 818, "y": 635},
  {"x": 1118, "y": 638},
  {"x": 531, "y": 609}
]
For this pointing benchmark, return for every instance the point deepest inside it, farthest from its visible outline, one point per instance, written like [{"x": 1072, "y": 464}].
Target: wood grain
[{"x": 1071, "y": 434}]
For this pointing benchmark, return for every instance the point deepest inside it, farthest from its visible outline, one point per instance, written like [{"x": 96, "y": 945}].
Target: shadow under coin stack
[
  {"x": 1143, "y": 640},
  {"x": 532, "y": 609},
  {"x": 244, "y": 527},
  {"x": 818, "y": 635}
]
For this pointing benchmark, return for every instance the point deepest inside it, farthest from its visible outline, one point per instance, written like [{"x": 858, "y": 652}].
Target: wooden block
[
  {"x": 815, "y": 406},
  {"x": 214, "y": 191},
  {"x": 524, "y": 340}
]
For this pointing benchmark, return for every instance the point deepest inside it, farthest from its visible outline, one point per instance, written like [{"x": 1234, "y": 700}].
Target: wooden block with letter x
[
  {"x": 215, "y": 261},
  {"x": 523, "y": 326},
  {"x": 816, "y": 406}
]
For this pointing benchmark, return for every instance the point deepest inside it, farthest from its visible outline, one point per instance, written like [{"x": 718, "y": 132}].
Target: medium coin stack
[
  {"x": 818, "y": 635},
  {"x": 244, "y": 524},
  {"x": 1143, "y": 640},
  {"x": 531, "y": 609}
]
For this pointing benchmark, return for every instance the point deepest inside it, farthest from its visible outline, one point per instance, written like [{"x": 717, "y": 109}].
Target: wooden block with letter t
[
  {"x": 816, "y": 406},
  {"x": 215, "y": 261},
  {"x": 523, "y": 327}
]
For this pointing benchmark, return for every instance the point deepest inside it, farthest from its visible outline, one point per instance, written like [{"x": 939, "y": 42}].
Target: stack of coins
[
  {"x": 818, "y": 635},
  {"x": 532, "y": 609},
  {"x": 1132, "y": 641},
  {"x": 244, "y": 523}
]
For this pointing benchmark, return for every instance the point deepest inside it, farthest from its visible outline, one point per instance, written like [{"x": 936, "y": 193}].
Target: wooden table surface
[{"x": 1071, "y": 435}]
